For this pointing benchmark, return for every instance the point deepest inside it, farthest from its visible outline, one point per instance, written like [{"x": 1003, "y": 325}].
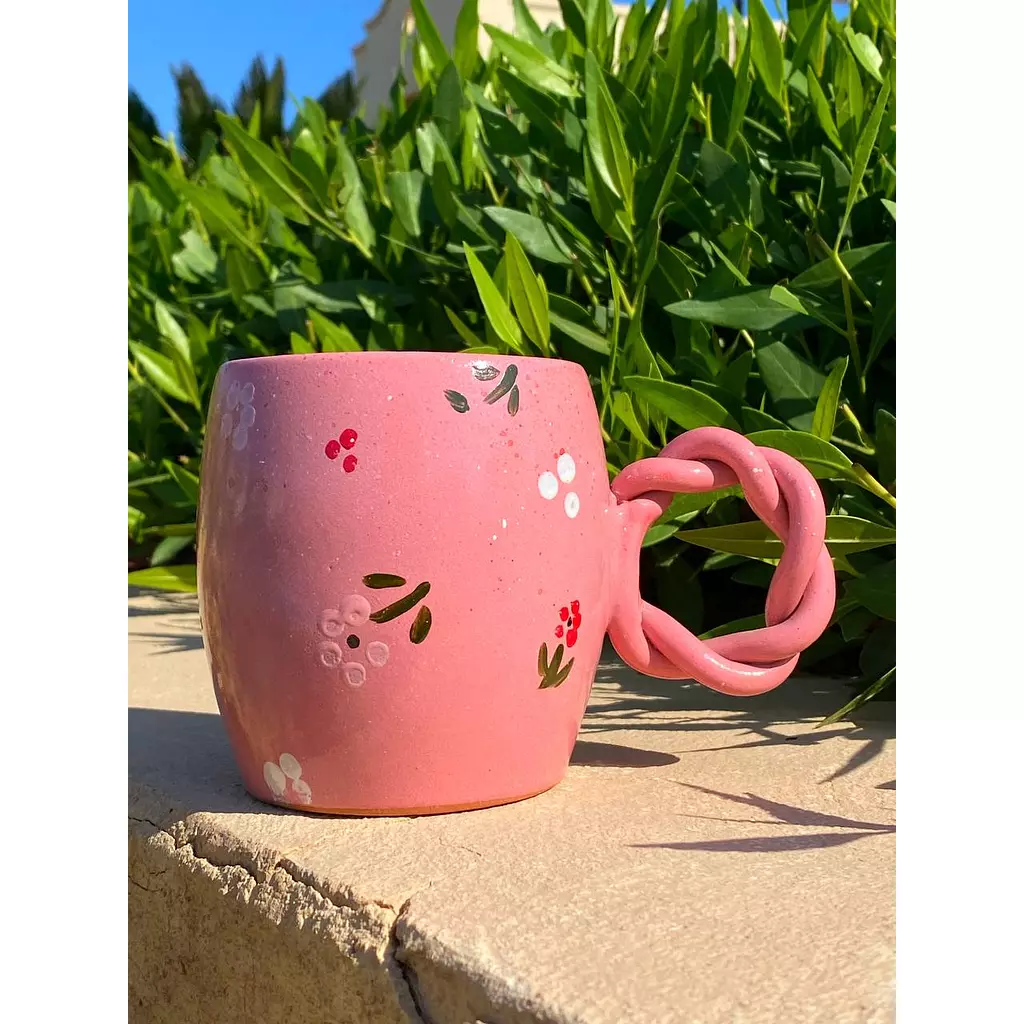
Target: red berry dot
[
  {"x": 577, "y": 619},
  {"x": 570, "y": 638},
  {"x": 332, "y": 449},
  {"x": 348, "y": 438},
  {"x": 559, "y": 630},
  {"x": 564, "y": 614},
  {"x": 350, "y": 463},
  {"x": 575, "y": 606}
]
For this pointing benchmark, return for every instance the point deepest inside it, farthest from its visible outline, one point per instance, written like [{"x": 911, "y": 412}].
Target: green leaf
[
  {"x": 766, "y": 51},
  {"x": 171, "y": 330},
  {"x": 160, "y": 370},
  {"x": 741, "y": 94},
  {"x": 822, "y": 110},
  {"x": 169, "y": 548},
  {"x": 467, "y": 30},
  {"x": 586, "y": 337},
  {"x": 736, "y": 626},
  {"x": 605, "y": 139},
  {"x": 885, "y": 446},
  {"x": 812, "y": 32},
  {"x": 527, "y": 28},
  {"x": 862, "y": 154},
  {"x": 683, "y": 405},
  {"x": 622, "y": 409},
  {"x": 188, "y": 482},
  {"x": 538, "y": 238},
  {"x": 792, "y": 383},
  {"x": 751, "y": 309},
  {"x": 429, "y": 36},
  {"x": 656, "y": 534},
  {"x": 844, "y": 535},
  {"x": 471, "y": 340},
  {"x": 824, "y": 422},
  {"x": 498, "y": 314},
  {"x": 823, "y": 459},
  {"x": 528, "y": 300},
  {"x": 866, "y": 52},
  {"x": 862, "y": 698},
  {"x": 406, "y": 191},
  {"x": 333, "y": 337},
  {"x": 536, "y": 67},
  {"x": 166, "y": 577},
  {"x": 863, "y": 264},
  {"x": 273, "y": 174},
  {"x": 891, "y": 207},
  {"x": 876, "y": 590},
  {"x": 883, "y": 325},
  {"x": 299, "y": 344}
]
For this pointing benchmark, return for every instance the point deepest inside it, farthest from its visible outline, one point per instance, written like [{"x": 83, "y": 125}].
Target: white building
[{"x": 376, "y": 57}]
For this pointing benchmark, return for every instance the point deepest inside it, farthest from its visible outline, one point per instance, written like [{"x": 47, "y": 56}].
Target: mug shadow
[{"x": 186, "y": 756}]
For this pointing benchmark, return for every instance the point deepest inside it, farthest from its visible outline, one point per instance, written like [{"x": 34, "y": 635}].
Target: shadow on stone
[
  {"x": 613, "y": 755},
  {"x": 780, "y": 814}
]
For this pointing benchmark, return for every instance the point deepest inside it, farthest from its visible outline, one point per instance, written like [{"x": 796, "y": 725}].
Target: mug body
[{"x": 404, "y": 575}]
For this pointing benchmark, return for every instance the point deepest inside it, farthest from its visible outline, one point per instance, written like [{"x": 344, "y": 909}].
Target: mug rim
[{"x": 535, "y": 362}]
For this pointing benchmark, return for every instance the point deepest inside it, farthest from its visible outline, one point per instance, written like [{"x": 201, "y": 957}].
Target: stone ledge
[{"x": 707, "y": 859}]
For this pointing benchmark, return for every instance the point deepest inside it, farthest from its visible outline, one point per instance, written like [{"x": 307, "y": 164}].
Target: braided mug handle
[{"x": 801, "y": 598}]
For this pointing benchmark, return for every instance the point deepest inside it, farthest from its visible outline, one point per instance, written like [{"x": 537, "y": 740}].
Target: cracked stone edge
[{"x": 188, "y": 837}]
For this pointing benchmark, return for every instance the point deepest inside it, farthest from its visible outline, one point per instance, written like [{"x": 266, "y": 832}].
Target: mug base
[{"x": 402, "y": 812}]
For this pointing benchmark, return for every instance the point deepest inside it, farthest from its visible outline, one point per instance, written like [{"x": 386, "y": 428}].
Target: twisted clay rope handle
[{"x": 801, "y": 598}]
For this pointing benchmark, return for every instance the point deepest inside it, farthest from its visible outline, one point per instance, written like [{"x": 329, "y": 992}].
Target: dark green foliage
[{"x": 707, "y": 227}]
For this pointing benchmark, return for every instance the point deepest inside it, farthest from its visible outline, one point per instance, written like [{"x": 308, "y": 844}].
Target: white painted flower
[
  {"x": 340, "y": 624},
  {"x": 240, "y": 397},
  {"x": 548, "y": 483},
  {"x": 287, "y": 770}
]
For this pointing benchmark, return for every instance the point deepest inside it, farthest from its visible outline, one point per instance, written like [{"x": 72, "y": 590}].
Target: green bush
[{"x": 712, "y": 239}]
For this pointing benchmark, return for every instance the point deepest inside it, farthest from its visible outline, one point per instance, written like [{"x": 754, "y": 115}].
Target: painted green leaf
[
  {"x": 420, "y": 625},
  {"x": 683, "y": 405},
  {"x": 382, "y": 580},
  {"x": 824, "y": 422},
  {"x": 457, "y": 401},
  {"x": 504, "y": 386},
  {"x": 402, "y": 605},
  {"x": 498, "y": 314},
  {"x": 513, "y": 400},
  {"x": 484, "y": 371},
  {"x": 529, "y": 302},
  {"x": 843, "y": 535}
]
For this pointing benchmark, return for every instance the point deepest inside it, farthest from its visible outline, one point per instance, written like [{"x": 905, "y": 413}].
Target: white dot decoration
[
  {"x": 377, "y": 653},
  {"x": 290, "y": 766},
  {"x": 566, "y": 468},
  {"x": 355, "y": 674},
  {"x": 572, "y": 504},
  {"x": 547, "y": 484},
  {"x": 275, "y": 778},
  {"x": 330, "y": 654}
]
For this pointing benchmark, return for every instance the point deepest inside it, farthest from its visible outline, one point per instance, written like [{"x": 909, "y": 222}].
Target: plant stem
[
  {"x": 163, "y": 401},
  {"x": 747, "y": 338},
  {"x": 871, "y": 484},
  {"x": 862, "y": 434},
  {"x": 851, "y": 337},
  {"x": 853, "y": 447}
]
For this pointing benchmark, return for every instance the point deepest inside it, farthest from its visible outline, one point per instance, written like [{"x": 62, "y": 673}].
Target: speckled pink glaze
[{"x": 401, "y": 554}]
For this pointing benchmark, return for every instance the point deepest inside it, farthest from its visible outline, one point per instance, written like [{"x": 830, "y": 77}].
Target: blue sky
[{"x": 220, "y": 38}]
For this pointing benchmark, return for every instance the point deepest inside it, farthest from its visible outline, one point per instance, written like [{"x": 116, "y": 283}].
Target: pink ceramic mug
[{"x": 408, "y": 563}]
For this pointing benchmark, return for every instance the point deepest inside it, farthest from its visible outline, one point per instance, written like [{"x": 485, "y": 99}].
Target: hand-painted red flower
[
  {"x": 346, "y": 439},
  {"x": 570, "y": 624}
]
